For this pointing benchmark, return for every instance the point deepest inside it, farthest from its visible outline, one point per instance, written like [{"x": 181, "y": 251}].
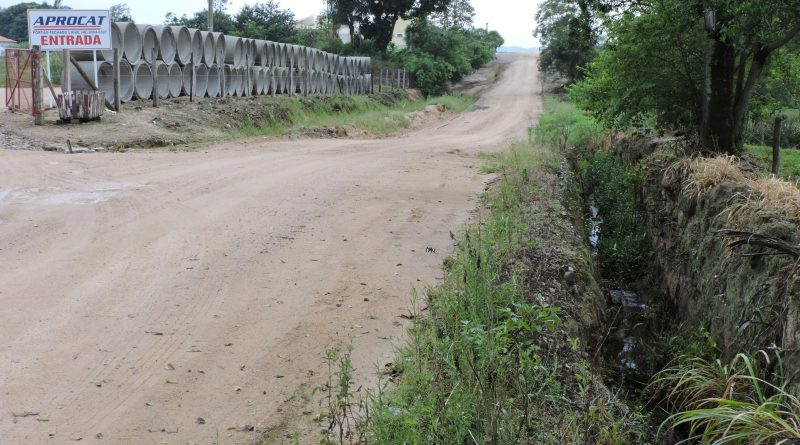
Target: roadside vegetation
[
  {"x": 681, "y": 99},
  {"x": 375, "y": 114},
  {"x": 494, "y": 354}
]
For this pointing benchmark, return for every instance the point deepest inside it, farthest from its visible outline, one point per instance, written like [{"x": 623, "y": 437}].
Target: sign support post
[{"x": 94, "y": 66}]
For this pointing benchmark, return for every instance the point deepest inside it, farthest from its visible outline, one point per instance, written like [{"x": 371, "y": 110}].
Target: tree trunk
[
  {"x": 385, "y": 31},
  {"x": 720, "y": 129}
]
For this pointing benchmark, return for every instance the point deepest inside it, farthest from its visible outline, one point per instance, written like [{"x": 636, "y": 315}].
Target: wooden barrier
[{"x": 80, "y": 106}]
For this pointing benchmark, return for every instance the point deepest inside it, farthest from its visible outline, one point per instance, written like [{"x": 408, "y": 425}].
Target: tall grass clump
[{"x": 731, "y": 403}]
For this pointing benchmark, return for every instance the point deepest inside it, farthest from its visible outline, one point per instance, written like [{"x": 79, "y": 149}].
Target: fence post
[
  {"x": 117, "y": 99},
  {"x": 154, "y": 68},
  {"x": 66, "y": 74},
  {"x": 194, "y": 78},
  {"x": 776, "y": 145},
  {"x": 36, "y": 66}
]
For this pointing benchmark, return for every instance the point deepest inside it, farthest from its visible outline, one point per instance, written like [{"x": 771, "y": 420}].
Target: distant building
[
  {"x": 309, "y": 22},
  {"x": 398, "y": 35},
  {"x": 5, "y": 42}
]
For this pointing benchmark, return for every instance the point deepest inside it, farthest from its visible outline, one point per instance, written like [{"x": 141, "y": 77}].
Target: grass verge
[
  {"x": 493, "y": 360},
  {"x": 375, "y": 114}
]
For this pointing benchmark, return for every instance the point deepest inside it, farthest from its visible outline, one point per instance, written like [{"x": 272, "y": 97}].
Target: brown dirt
[{"x": 142, "y": 291}]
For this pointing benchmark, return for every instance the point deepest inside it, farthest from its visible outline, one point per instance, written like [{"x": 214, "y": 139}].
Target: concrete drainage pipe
[
  {"x": 219, "y": 48},
  {"x": 200, "y": 80},
  {"x": 142, "y": 80},
  {"x": 197, "y": 46},
  {"x": 166, "y": 43},
  {"x": 230, "y": 80},
  {"x": 241, "y": 83},
  {"x": 105, "y": 77},
  {"x": 175, "y": 76},
  {"x": 214, "y": 81},
  {"x": 209, "y": 48},
  {"x": 130, "y": 41},
  {"x": 149, "y": 43},
  {"x": 183, "y": 44},
  {"x": 162, "y": 72},
  {"x": 234, "y": 51},
  {"x": 125, "y": 81}
]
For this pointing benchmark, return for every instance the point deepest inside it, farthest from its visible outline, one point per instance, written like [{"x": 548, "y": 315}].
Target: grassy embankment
[
  {"x": 497, "y": 357},
  {"x": 375, "y": 114}
]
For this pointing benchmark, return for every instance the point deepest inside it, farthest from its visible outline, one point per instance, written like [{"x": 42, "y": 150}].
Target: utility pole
[{"x": 210, "y": 15}]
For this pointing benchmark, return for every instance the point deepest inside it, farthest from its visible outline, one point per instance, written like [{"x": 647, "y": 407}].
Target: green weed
[{"x": 377, "y": 114}]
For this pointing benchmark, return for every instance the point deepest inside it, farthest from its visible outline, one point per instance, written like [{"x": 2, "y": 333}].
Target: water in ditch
[{"x": 629, "y": 311}]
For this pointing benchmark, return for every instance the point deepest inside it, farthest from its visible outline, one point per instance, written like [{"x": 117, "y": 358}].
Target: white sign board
[{"x": 80, "y": 29}]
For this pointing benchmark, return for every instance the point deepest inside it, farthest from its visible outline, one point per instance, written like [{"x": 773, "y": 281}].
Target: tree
[
  {"x": 565, "y": 30},
  {"x": 14, "y": 20},
  {"x": 223, "y": 22},
  {"x": 458, "y": 14},
  {"x": 348, "y": 13},
  {"x": 265, "y": 20},
  {"x": 378, "y": 18},
  {"x": 744, "y": 35},
  {"x": 120, "y": 13},
  {"x": 730, "y": 43}
]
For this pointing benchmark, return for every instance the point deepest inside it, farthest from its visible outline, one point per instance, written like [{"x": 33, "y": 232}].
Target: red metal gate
[{"x": 19, "y": 81}]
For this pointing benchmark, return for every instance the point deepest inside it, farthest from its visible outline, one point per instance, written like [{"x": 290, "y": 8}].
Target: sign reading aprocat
[{"x": 57, "y": 29}]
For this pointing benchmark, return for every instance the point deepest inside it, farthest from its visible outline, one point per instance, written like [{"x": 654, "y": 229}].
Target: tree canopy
[
  {"x": 378, "y": 18},
  {"x": 14, "y": 20},
  {"x": 691, "y": 65}
]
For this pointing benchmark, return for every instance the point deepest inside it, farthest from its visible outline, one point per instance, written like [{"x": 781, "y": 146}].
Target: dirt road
[{"x": 142, "y": 291}]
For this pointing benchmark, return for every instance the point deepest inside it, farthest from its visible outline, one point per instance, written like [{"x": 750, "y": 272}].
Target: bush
[{"x": 431, "y": 73}]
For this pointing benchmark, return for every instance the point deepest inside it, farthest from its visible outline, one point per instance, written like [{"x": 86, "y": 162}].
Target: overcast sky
[{"x": 512, "y": 18}]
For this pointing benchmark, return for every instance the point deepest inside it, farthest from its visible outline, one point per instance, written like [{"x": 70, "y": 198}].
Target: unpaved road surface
[{"x": 142, "y": 291}]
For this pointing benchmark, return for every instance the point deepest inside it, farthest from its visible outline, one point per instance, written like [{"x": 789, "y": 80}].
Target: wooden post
[
  {"x": 776, "y": 145},
  {"x": 192, "y": 83},
  {"x": 117, "y": 99},
  {"x": 154, "y": 68},
  {"x": 38, "y": 106},
  {"x": 66, "y": 75}
]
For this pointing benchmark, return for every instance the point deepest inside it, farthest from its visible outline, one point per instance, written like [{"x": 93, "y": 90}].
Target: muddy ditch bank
[{"x": 742, "y": 296}]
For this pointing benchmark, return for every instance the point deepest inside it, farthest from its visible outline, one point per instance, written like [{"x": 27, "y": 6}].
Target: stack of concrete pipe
[{"x": 222, "y": 65}]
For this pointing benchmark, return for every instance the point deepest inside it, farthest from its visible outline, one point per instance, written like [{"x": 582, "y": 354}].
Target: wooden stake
[
  {"x": 191, "y": 84},
  {"x": 117, "y": 99},
  {"x": 38, "y": 106},
  {"x": 154, "y": 68},
  {"x": 776, "y": 145}
]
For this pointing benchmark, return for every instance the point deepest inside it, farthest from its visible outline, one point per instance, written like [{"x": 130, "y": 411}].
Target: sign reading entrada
[{"x": 57, "y": 29}]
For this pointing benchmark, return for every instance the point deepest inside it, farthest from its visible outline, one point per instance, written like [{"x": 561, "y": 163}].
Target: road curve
[{"x": 142, "y": 291}]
